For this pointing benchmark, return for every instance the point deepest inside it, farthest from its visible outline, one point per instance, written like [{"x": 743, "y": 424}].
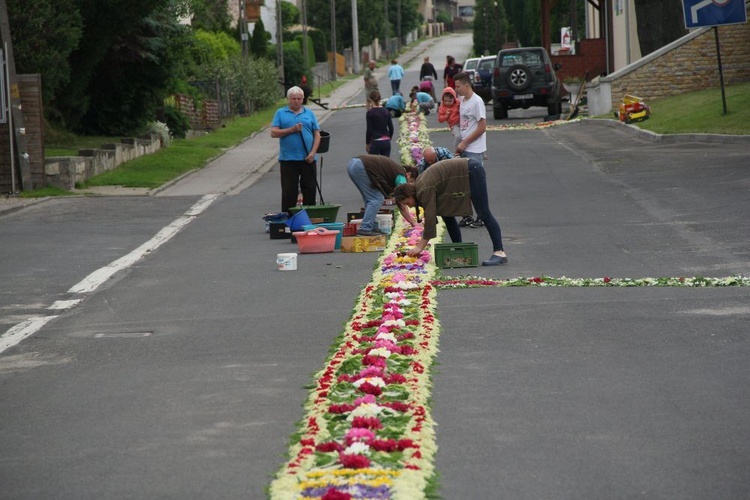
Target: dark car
[
  {"x": 482, "y": 77},
  {"x": 523, "y": 78}
]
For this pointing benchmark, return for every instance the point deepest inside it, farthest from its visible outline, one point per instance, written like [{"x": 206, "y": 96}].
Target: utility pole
[
  {"x": 385, "y": 30},
  {"x": 335, "y": 75},
  {"x": 15, "y": 122},
  {"x": 398, "y": 28},
  {"x": 355, "y": 38},
  {"x": 279, "y": 42},
  {"x": 305, "y": 62}
]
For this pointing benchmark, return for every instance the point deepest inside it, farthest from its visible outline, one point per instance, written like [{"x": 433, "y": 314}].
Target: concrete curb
[{"x": 670, "y": 138}]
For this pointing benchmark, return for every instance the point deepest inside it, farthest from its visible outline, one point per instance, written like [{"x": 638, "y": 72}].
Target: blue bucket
[
  {"x": 333, "y": 226},
  {"x": 296, "y": 221}
]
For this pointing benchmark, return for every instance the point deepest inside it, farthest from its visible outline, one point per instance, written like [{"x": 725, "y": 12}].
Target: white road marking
[
  {"x": 95, "y": 279},
  {"x": 22, "y": 330},
  {"x": 31, "y": 325},
  {"x": 61, "y": 305}
]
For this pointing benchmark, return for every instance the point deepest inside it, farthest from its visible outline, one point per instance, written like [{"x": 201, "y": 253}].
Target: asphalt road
[{"x": 183, "y": 375}]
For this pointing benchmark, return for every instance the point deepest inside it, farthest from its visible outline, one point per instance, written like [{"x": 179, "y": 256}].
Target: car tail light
[
  {"x": 497, "y": 72},
  {"x": 547, "y": 68}
]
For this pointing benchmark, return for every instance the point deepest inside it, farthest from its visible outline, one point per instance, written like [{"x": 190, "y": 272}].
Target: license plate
[{"x": 521, "y": 97}]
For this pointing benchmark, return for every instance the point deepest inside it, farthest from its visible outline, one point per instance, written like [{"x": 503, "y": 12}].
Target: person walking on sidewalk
[
  {"x": 299, "y": 132},
  {"x": 448, "y": 189},
  {"x": 376, "y": 177},
  {"x": 379, "y": 128},
  {"x": 395, "y": 74},
  {"x": 371, "y": 82},
  {"x": 473, "y": 125}
]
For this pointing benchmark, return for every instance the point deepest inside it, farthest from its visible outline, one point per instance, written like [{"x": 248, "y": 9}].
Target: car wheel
[
  {"x": 500, "y": 112},
  {"x": 518, "y": 77}
]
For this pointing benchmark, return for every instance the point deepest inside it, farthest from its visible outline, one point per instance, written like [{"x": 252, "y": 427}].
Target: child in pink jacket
[{"x": 449, "y": 113}]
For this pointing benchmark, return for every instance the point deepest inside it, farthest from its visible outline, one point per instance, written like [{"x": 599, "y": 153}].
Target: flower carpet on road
[
  {"x": 515, "y": 126},
  {"x": 548, "y": 281},
  {"x": 367, "y": 432}
]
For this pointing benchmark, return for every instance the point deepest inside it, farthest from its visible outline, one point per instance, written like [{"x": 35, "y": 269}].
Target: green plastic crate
[
  {"x": 326, "y": 212},
  {"x": 449, "y": 255}
]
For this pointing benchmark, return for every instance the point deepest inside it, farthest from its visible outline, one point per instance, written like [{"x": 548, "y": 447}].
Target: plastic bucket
[
  {"x": 325, "y": 141},
  {"x": 334, "y": 226},
  {"x": 385, "y": 223},
  {"x": 287, "y": 261},
  {"x": 296, "y": 221}
]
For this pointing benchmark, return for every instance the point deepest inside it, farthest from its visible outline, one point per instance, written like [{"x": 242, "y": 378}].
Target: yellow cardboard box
[{"x": 363, "y": 243}]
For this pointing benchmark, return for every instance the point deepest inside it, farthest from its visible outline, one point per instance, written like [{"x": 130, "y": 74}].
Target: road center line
[
  {"x": 29, "y": 326},
  {"x": 95, "y": 279}
]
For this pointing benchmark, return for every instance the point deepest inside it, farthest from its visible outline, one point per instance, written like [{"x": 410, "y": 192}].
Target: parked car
[
  {"x": 471, "y": 64},
  {"x": 482, "y": 77},
  {"x": 523, "y": 78}
]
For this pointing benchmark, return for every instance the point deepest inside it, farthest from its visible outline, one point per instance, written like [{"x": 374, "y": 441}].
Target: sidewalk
[{"x": 242, "y": 165}]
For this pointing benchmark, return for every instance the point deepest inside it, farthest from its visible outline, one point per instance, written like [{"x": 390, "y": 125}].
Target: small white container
[
  {"x": 385, "y": 223},
  {"x": 287, "y": 261}
]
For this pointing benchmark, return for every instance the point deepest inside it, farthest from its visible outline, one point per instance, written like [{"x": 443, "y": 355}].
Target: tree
[
  {"x": 490, "y": 27},
  {"x": 524, "y": 16},
  {"x": 122, "y": 66},
  {"x": 370, "y": 14},
  {"x": 289, "y": 15},
  {"x": 210, "y": 15},
  {"x": 660, "y": 22},
  {"x": 259, "y": 40},
  {"x": 44, "y": 35}
]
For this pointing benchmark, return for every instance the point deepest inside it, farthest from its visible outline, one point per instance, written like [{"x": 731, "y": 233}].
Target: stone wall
[
  {"x": 685, "y": 65},
  {"x": 67, "y": 171}
]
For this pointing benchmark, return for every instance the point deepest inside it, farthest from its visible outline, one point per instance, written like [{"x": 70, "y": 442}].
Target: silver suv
[{"x": 523, "y": 78}]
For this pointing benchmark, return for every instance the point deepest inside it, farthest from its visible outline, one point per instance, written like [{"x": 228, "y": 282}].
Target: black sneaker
[
  {"x": 466, "y": 221},
  {"x": 477, "y": 223},
  {"x": 374, "y": 232}
]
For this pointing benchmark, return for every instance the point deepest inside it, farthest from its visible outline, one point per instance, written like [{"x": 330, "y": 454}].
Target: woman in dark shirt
[{"x": 379, "y": 128}]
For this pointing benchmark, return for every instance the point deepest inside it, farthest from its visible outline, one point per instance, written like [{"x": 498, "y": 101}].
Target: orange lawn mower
[{"x": 633, "y": 109}]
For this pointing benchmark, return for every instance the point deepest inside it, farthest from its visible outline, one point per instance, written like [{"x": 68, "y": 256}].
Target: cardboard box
[{"x": 363, "y": 243}]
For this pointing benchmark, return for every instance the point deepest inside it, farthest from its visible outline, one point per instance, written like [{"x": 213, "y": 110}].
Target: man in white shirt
[
  {"x": 473, "y": 122},
  {"x": 473, "y": 125}
]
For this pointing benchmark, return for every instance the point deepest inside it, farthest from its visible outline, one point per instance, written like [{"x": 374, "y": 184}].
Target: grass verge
[
  {"x": 182, "y": 156},
  {"x": 701, "y": 112}
]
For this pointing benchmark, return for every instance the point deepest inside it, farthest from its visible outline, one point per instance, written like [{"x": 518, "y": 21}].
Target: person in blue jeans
[
  {"x": 379, "y": 128},
  {"x": 448, "y": 189},
  {"x": 395, "y": 74},
  {"x": 376, "y": 177}
]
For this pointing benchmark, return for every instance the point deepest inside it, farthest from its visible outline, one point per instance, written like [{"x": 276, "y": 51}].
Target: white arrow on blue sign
[{"x": 701, "y": 13}]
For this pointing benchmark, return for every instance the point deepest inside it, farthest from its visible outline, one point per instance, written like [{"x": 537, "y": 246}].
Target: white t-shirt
[{"x": 473, "y": 110}]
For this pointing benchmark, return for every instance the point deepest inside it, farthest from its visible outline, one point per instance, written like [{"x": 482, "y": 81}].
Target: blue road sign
[{"x": 700, "y": 13}]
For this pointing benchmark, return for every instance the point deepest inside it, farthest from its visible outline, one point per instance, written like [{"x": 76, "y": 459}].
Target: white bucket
[
  {"x": 385, "y": 223},
  {"x": 287, "y": 261}
]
